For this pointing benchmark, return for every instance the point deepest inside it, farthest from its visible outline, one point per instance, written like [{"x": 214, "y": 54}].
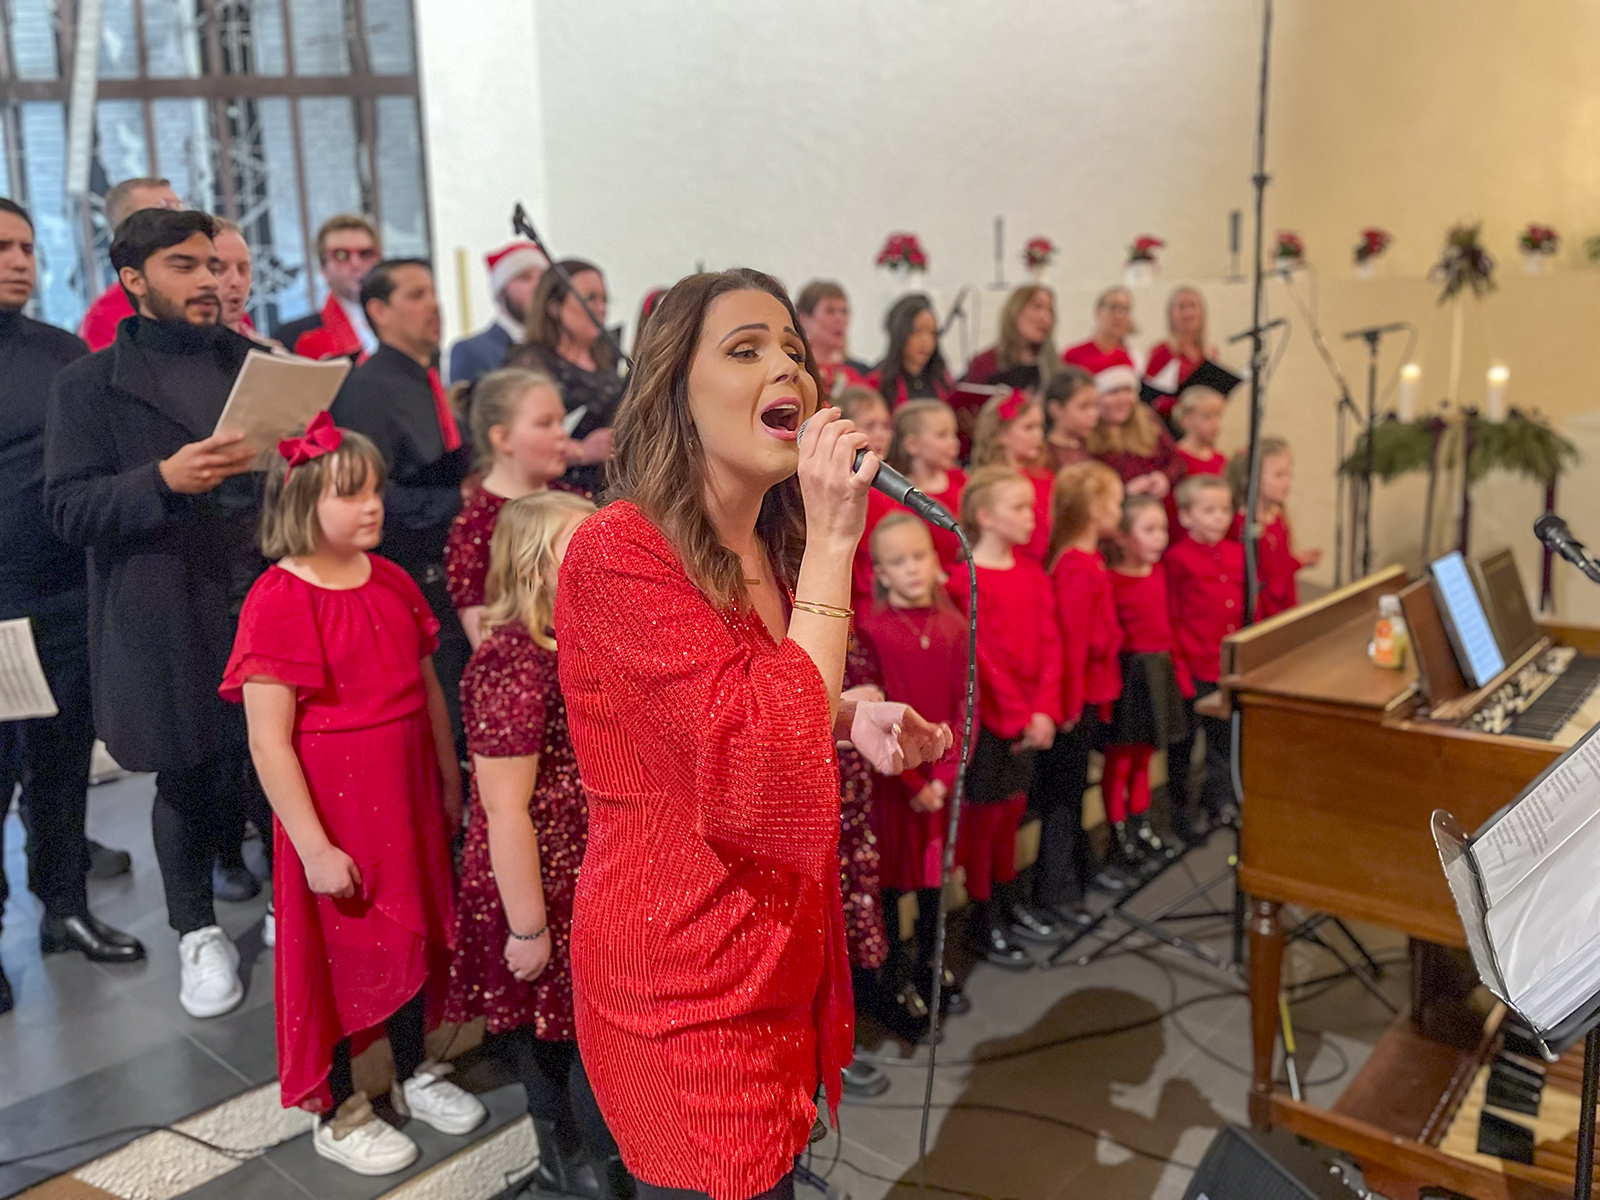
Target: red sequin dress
[
  {"x": 466, "y": 548},
  {"x": 865, "y": 934},
  {"x": 711, "y": 982},
  {"x": 365, "y": 743},
  {"x": 511, "y": 706}
]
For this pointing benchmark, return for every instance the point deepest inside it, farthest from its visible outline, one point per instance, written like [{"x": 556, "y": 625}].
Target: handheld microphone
[
  {"x": 1553, "y": 532},
  {"x": 898, "y": 488}
]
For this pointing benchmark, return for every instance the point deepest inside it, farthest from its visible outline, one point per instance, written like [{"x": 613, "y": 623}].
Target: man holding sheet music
[
  {"x": 168, "y": 514},
  {"x": 43, "y": 579}
]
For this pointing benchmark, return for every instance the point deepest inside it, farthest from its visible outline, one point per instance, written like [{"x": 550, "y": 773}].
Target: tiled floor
[{"x": 1031, "y": 1098}]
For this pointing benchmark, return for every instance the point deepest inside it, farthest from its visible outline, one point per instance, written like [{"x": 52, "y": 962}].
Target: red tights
[{"x": 1125, "y": 785}]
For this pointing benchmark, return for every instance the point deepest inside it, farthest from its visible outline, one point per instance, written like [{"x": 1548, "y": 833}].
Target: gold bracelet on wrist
[{"x": 823, "y": 610}]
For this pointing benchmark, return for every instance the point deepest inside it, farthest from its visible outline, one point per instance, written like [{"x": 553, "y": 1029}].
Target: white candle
[
  {"x": 1410, "y": 377},
  {"x": 1499, "y": 376}
]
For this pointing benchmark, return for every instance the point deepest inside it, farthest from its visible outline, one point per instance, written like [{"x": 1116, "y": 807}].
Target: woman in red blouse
[
  {"x": 703, "y": 631},
  {"x": 1108, "y": 344}
]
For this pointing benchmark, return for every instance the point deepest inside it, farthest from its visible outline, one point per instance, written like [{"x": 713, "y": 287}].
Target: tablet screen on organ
[{"x": 1465, "y": 620}]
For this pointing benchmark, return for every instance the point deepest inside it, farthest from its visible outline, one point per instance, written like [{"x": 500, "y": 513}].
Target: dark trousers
[
  {"x": 250, "y": 804},
  {"x": 49, "y": 757},
  {"x": 193, "y": 807},
  {"x": 450, "y": 659},
  {"x": 1065, "y": 866},
  {"x": 557, "y": 1085},
  {"x": 1216, "y": 789},
  {"x": 405, "y": 1030}
]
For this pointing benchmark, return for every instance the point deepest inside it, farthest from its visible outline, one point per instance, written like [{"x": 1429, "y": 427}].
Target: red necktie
[{"x": 441, "y": 409}]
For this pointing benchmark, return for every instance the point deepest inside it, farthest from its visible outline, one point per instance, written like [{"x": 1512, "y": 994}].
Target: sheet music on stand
[
  {"x": 24, "y": 691},
  {"x": 1528, "y": 891}
]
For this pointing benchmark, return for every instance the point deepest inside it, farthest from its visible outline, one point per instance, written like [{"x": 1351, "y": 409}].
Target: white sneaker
[
  {"x": 269, "y": 927},
  {"x": 374, "y": 1147},
  {"x": 209, "y": 967},
  {"x": 432, "y": 1099}
]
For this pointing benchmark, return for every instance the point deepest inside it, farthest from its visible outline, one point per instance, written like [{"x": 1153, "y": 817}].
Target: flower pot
[
  {"x": 1533, "y": 262},
  {"x": 1139, "y": 273},
  {"x": 1368, "y": 268},
  {"x": 1036, "y": 274},
  {"x": 1286, "y": 263}
]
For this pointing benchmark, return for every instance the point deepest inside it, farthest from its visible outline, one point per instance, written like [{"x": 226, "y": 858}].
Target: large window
[{"x": 276, "y": 113}]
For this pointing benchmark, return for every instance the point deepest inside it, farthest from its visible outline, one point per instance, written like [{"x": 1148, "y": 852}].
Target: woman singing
[{"x": 702, "y": 619}]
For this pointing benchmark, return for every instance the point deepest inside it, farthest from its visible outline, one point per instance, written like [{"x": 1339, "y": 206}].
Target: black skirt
[
  {"x": 995, "y": 772},
  {"x": 1150, "y": 712}
]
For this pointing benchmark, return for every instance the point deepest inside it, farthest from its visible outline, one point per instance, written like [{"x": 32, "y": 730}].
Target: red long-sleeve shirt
[
  {"x": 1276, "y": 565},
  {"x": 1091, "y": 638},
  {"x": 1146, "y": 619},
  {"x": 1019, "y": 644},
  {"x": 1044, "y": 488},
  {"x": 1205, "y": 593},
  {"x": 945, "y": 544},
  {"x": 1193, "y": 464}
]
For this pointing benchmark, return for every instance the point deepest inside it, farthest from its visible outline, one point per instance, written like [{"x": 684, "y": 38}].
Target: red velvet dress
[
  {"x": 466, "y": 548},
  {"x": 1044, "y": 487},
  {"x": 1164, "y": 458},
  {"x": 365, "y": 743},
  {"x": 511, "y": 707},
  {"x": 1065, "y": 456},
  {"x": 708, "y": 956},
  {"x": 933, "y": 680},
  {"x": 865, "y": 935}
]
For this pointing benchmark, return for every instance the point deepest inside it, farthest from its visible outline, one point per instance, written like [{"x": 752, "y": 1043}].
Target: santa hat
[
  {"x": 511, "y": 260},
  {"x": 1116, "y": 377}
]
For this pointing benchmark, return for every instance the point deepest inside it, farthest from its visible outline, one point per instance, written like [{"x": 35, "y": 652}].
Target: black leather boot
[{"x": 563, "y": 1173}]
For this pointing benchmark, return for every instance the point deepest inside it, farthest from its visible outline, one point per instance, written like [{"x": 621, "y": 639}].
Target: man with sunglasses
[{"x": 347, "y": 248}]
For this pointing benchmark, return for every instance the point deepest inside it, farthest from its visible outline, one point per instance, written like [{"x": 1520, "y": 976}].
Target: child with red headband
[
  {"x": 1010, "y": 433},
  {"x": 352, "y": 741}
]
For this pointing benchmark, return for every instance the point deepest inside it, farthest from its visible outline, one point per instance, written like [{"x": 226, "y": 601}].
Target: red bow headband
[
  {"x": 1011, "y": 407},
  {"x": 321, "y": 437}
]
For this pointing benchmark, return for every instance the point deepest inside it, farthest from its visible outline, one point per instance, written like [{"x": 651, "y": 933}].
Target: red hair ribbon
[
  {"x": 1011, "y": 407},
  {"x": 321, "y": 437}
]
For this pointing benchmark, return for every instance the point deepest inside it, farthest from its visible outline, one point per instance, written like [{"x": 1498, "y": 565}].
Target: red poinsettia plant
[
  {"x": 1373, "y": 242},
  {"x": 1288, "y": 245},
  {"x": 1539, "y": 239},
  {"x": 1144, "y": 248},
  {"x": 903, "y": 252},
  {"x": 1039, "y": 252}
]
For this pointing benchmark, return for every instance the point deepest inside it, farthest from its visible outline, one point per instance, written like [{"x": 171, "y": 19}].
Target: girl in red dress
[
  {"x": 869, "y": 411},
  {"x": 1149, "y": 715},
  {"x": 1131, "y": 439},
  {"x": 352, "y": 742},
  {"x": 920, "y": 644},
  {"x": 1185, "y": 343},
  {"x": 1108, "y": 344},
  {"x": 1019, "y": 682},
  {"x": 924, "y": 450},
  {"x": 517, "y": 425},
  {"x": 703, "y": 630},
  {"x": 1071, "y": 412},
  {"x": 526, "y": 830},
  {"x": 1088, "y": 500},
  {"x": 1276, "y": 562},
  {"x": 1010, "y": 433},
  {"x": 1199, "y": 414}
]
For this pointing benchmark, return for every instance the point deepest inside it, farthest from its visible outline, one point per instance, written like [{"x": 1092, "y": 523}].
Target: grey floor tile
[{"x": 246, "y": 1040}]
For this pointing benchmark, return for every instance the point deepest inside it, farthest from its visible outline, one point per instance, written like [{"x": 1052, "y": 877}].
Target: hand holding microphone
[
  {"x": 835, "y": 475},
  {"x": 883, "y": 478}
]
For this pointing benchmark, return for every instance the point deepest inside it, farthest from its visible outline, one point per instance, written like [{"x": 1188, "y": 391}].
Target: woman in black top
[
  {"x": 913, "y": 369},
  {"x": 563, "y": 342}
]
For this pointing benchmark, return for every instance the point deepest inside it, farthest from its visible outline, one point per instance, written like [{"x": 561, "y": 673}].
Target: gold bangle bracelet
[{"x": 823, "y": 610}]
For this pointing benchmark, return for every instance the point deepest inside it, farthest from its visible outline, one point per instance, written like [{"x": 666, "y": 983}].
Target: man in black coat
[
  {"x": 42, "y": 579},
  {"x": 396, "y": 399},
  {"x": 168, "y": 513}
]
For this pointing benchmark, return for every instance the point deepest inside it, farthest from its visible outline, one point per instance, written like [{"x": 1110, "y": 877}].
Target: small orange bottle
[{"x": 1390, "y": 638}]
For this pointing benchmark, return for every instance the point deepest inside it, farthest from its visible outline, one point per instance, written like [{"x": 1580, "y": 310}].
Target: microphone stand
[
  {"x": 521, "y": 224},
  {"x": 1371, "y": 337},
  {"x": 1259, "y": 180}
]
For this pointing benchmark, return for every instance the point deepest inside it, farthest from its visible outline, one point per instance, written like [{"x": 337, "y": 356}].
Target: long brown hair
[
  {"x": 544, "y": 311},
  {"x": 991, "y": 423},
  {"x": 658, "y": 462},
  {"x": 1079, "y": 487},
  {"x": 1011, "y": 350}
]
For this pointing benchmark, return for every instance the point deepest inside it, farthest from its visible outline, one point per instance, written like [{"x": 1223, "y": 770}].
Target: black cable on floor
[{"x": 131, "y": 1132}]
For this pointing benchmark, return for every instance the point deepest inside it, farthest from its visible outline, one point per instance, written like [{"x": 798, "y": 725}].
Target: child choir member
[
  {"x": 1131, "y": 439},
  {"x": 1010, "y": 433},
  {"x": 1149, "y": 716},
  {"x": 1205, "y": 591},
  {"x": 1185, "y": 342},
  {"x": 1019, "y": 673},
  {"x": 352, "y": 741},
  {"x": 518, "y": 430},
  {"x": 1276, "y": 562},
  {"x": 1088, "y": 510},
  {"x": 913, "y": 369},
  {"x": 1108, "y": 344},
  {"x": 1199, "y": 415},
  {"x": 526, "y": 831},
  {"x": 924, "y": 449},
  {"x": 870, "y": 412},
  {"x": 919, "y": 642},
  {"x": 1027, "y": 326},
  {"x": 1071, "y": 412}
]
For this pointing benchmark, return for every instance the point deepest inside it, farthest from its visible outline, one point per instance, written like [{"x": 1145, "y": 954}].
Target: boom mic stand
[
  {"x": 521, "y": 224},
  {"x": 1370, "y": 336}
]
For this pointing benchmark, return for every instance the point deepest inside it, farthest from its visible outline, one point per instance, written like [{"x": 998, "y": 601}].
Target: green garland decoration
[
  {"x": 1522, "y": 444},
  {"x": 1400, "y": 448}
]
